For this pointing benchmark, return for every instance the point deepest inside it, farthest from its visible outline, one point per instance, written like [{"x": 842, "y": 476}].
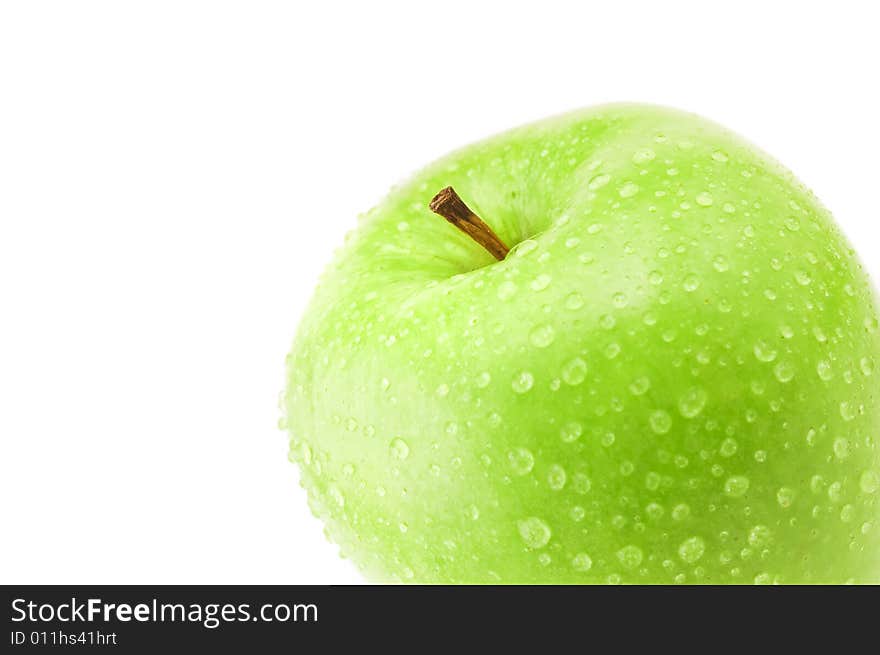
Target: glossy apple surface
[{"x": 672, "y": 377}]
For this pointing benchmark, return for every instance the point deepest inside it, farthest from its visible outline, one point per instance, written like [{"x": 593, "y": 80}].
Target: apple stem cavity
[{"x": 448, "y": 204}]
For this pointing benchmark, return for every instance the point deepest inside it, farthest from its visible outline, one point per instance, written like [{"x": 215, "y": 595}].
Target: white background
[{"x": 174, "y": 175}]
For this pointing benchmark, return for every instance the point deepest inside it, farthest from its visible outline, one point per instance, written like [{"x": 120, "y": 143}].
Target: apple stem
[{"x": 450, "y": 206}]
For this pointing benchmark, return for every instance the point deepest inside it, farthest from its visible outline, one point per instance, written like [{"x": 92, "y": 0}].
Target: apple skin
[{"x": 672, "y": 378}]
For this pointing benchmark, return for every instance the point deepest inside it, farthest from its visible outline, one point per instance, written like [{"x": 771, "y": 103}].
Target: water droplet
[
  {"x": 720, "y": 264},
  {"x": 869, "y": 482},
  {"x": 599, "y": 181},
  {"x": 612, "y": 350},
  {"x": 574, "y": 301},
  {"x": 643, "y": 156},
  {"x": 760, "y": 536},
  {"x": 763, "y": 579},
  {"x": 691, "y": 283},
  {"x": 525, "y": 247},
  {"x": 639, "y": 386},
  {"x": 581, "y": 484},
  {"x": 541, "y": 282},
  {"x": 542, "y": 336},
  {"x": 824, "y": 369},
  {"x": 483, "y": 379},
  {"x": 654, "y": 511},
  {"x": 681, "y": 512},
  {"x": 736, "y": 486},
  {"x": 628, "y": 190},
  {"x": 399, "y": 448},
  {"x": 571, "y": 431},
  {"x": 522, "y": 382},
  {"x": 577, "y": 513},
  {"x": 556, "y": 477},
  {"x": 719, "y": 156},
  {"x": 704, "y": 199},
  {"x": 521, "y": 461},
  {"x": 847, "y": 411},
  {"x": 506, "y": 290},
  {"x": 867, "y": 366},
  {"x": 763, "y": 352},
  {"x": 785, "y": 497},
  {"x": 692, "y": 402},
  {"x": 803, "y": 278},
  {"x": 728, "y": 447},
  {"x": 534, "y": 532},
  {"x": 784, "y": 372},
  {"x": 691, "y": 550},
  {"x": 582, "y": 562},
  {"x": 841, "y": 448},
  {"x": 661, "y": 421},
  {"x": 630, "y": 556},
  {"x": 574, "y": 372}
]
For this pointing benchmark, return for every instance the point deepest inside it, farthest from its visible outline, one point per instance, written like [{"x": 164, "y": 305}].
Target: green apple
[{"x": 671, "y": 377}]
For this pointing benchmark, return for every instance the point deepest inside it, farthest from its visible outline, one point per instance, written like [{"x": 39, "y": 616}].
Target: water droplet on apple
[
  {"x": 691, "y": 550},
  {"x": 841, "y": 448},
  {"x": 506, "y": 290},
  {"x": 763, "y": 579},
  {"x": 728, "y": 447},
  {"x": 704, "y": 199},
  {"x": 399, "y": 448},
  {"x": 483, "y": 379},
  {"x": 784, "y": 372},
  {"x": 736, "y": 486},
  {"x": 719, "y": 156},
  {"x": 661, "y": 421},
  {"x": 582, "y": 563},
  {"x": 654, "y": 511},
  {"x": 869, "y": 482},
  {"x": 574, "y": 301},
  {"x": 692, "y": 402},
  {"x": 577, "y": 513},
  {"x": 521, "y": 461},
  {"x": 612, "y": 350},
  {"x": 640, "y": 386},
  {"x": 847, "y": 411},
  {"x": 522, "y": 382},
  {"x": 681, "y": 512},
  {"x": 630, "y": 556},
  {"x": 571, "y": 431},
  {"x": 763, "y": 352},
  {"x": 691, "y": 283},
  {"x": 581, "y": 484},
  {"x": 525, "y": 247},
  {"x": 534, "y": 532},
  {"x": 867, "y": 366},
  {"x": 541, "y": 282},
  {"x": 785, "y": 497},
  {"x": 824, "y": 369},
  {"x": 599, "y": 181},
  {"x": 760, "y": 536},
  {"x": 643, "y": 156},
  {"x": 556, "y": 477},
  {"x": 542, "y": 336},
  {"x": 803, "y": 278},
  {"x": 628, "y": 190},
  {"x": 719, "y": 263},
  {"x": 574, "y": 372}
]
